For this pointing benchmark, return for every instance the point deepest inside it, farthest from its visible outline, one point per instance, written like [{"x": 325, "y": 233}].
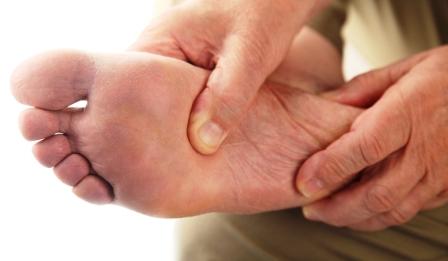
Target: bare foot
[{"x": 130, "y": 145}]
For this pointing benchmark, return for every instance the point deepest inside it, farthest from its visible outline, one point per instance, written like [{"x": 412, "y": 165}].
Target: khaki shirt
[{"x": 385, "y": 30}]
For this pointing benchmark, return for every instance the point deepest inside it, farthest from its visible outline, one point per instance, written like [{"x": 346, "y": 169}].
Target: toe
[
  {"x": 53, "y": 80},
  {"x": 94, "y": 190},
  {"x": 36, "y": 124},
  {"x": 52, "y": 150},
  {"x": 72, "y": 169}
]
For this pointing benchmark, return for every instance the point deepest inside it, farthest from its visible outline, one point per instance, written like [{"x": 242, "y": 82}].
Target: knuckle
[
  {"x": 379, "y": 199},
  {"x": 370, "y": 149},
  {"x": 252, "y": 53},
  {"x": 334, "y": 171},
  {"x": 398, "y": 216}
]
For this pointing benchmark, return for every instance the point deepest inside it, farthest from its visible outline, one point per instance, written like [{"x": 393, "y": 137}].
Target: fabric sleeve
[{"x": 330, "y": 21}]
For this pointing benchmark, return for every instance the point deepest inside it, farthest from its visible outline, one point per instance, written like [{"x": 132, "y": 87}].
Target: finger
[
  {"x": 386, "y": 187},
  {"x": 375, "y": 134},
  {"x": 230, "y": 90},
  {"x": 403, "y": 213},
  {"x": 53, "y": 80},
  {"x": 365, "y": 89},
  {"x": 36, "y": 124}
]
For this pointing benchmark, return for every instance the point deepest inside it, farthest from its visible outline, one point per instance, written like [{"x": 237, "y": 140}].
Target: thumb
[
  {"x": 231, "y": 89},
  {"x": 364, "y": 90}
]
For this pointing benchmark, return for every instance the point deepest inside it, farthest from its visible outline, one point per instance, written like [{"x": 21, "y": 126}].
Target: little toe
[
  {"x": 53, "y": 80},
  {"x": 94, "y": 190},
  {"x": 36, "y": 124},
  {"x": 72, "y": 169},
  {"x": 50, "y": 151}
]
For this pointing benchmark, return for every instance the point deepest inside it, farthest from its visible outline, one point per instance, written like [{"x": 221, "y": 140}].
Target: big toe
[{"x": 53, "y": 80}]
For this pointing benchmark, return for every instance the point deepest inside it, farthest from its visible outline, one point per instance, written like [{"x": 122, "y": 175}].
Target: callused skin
[{"x": 133, "y": 132}]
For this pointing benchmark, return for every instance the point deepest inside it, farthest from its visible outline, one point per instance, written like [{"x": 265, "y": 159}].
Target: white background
[{"x": 40, "y": 219}]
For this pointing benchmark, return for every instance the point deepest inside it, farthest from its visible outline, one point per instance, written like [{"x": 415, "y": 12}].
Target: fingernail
[
  {"x": 211, "y": 134},
  {"x": 312, "y": 187},
  {"x": 309, "y": 214}
]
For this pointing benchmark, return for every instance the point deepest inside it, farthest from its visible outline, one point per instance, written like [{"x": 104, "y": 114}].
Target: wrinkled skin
[{"x": 398, "y": 147}]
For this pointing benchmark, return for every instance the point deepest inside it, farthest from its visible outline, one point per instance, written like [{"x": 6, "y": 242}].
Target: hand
[
  {"x": 397, "y": 149},
  {"x": 242, "y": 41}
]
